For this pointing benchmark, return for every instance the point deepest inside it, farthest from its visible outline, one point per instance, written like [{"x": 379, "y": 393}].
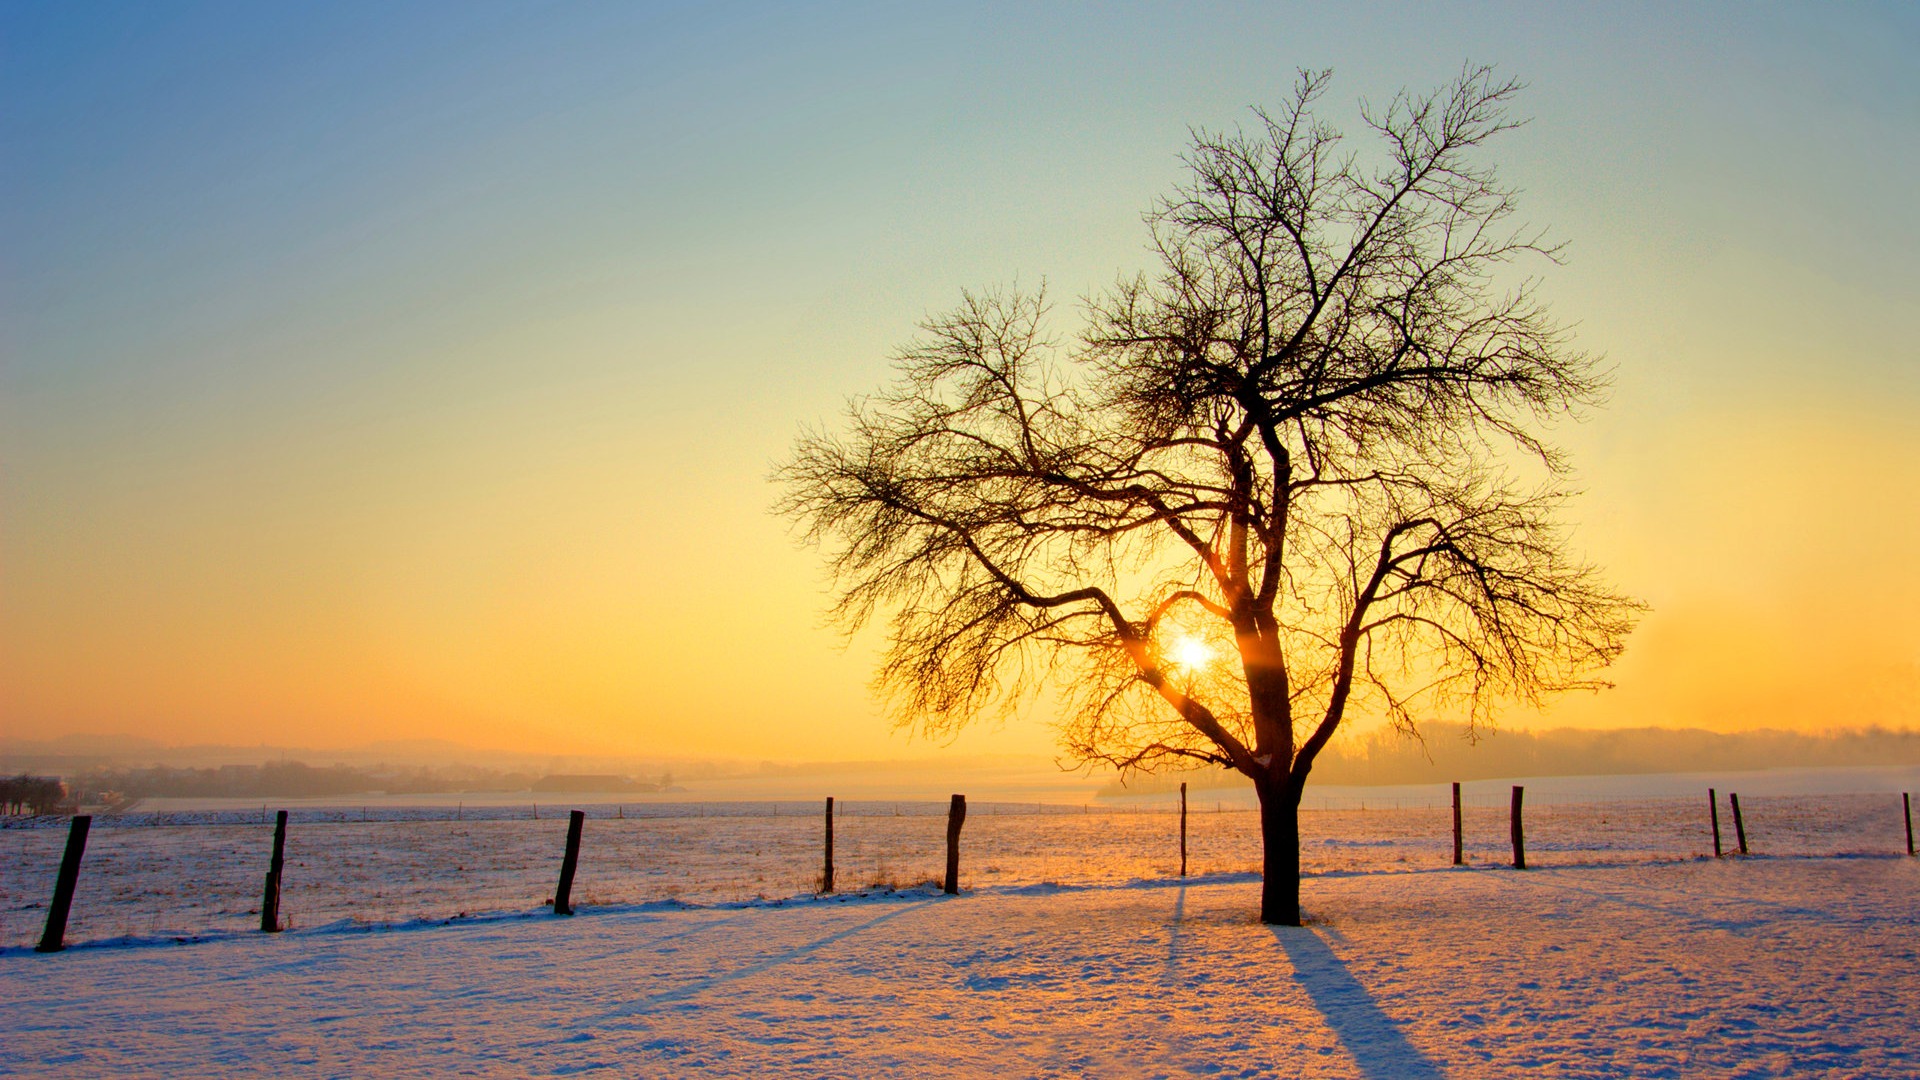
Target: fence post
[
  {"x": 826, "y": 879},
  {"x": 55, "y": 937},
  {"x": 270, "y": 900},
  {"x": 956, "y": 816},
  {"x": 563, "y": 896},
  {"x": 1906, "y": 804},
  {"x": 1519, "y": 833},
  {"x": 1458, "y": 851},
  {"x": 1183, "y": 829},
  {"x": 1713, "y": 813},
  {"x": 1739, "y": 824}
]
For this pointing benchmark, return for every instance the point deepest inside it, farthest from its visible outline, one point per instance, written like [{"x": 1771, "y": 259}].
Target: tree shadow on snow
[{"x": 1377, "y": 1046}]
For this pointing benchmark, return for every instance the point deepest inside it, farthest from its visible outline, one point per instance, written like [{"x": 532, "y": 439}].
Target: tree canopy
[{"x": 1276, "y": 481}]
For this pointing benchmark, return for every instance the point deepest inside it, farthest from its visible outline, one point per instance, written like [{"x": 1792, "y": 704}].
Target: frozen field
[
  {"x": 195, "y": 875},
  {"x": 1771, "y": 966}
]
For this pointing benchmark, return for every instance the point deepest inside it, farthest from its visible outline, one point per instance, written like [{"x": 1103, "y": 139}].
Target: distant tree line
[
  {"x": 1390, "y": 758},
  {"x": 295, "y": 779},
  {"x": 1448, "y": 752},
  {"x": 288, "y": 779},
  {"x": 24, "y": 794}
]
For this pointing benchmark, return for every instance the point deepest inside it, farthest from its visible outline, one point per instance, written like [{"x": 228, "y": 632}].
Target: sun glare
[{"x": 1189, "y": 653}]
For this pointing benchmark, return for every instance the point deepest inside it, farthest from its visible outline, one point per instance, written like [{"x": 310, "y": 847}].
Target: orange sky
[{"x": 424, "y": 383}]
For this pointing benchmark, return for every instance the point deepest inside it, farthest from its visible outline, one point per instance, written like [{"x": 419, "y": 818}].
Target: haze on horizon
[{"x": 367, "y": 373}]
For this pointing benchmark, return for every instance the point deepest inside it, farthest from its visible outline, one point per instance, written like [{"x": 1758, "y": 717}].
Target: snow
[
  {"x": 189, "y": 874},
  {"x": 1623, "y": 952},
  {"x": 1756, "y": 967}
]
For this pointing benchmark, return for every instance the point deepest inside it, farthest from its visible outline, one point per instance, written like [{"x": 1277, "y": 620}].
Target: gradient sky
[{"x": 381, "y": 371}]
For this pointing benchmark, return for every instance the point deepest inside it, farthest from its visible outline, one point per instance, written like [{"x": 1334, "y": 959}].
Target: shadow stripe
[{"x": 1377, "y": 1046}]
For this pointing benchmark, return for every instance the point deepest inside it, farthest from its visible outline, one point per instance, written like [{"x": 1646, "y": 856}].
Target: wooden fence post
[
  {"x": 55, "y": 937},
  {"x": 1183, "y": 829},
  {"x": 1459, "y": 855},
  {"x": 826, "y": 879},
  {"x": 563, "y": 896},
  {"x": 1739, "y": 824},
  {"x": 956, "y": 816},
  {"x": 1519, "y": 833},
  {"x": 270, "y": 900},
  {"x": 1906, "y": 804},
  {"x": 1713, "y": 813}
]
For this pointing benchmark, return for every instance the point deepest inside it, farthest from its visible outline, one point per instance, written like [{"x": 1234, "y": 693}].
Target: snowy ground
[
  {"x": 1770, "y": 966},
  {"x": 193, "y": 874}
]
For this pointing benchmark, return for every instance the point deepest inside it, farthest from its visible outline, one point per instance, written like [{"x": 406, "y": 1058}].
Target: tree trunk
[{"x": 1280, "y": 838}]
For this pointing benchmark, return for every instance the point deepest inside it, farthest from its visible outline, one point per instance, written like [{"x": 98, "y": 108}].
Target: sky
[{"x": 393, "y": 371}]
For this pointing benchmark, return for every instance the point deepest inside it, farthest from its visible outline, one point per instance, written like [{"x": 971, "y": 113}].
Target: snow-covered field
[
  {"x": 1770, "y": 966},
  {"x": 194, "y": 874},
  {"x": 419, "y": 945}
]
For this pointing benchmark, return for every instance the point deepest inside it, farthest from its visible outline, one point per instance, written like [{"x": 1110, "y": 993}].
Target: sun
[{"x": 1189, "y": 652}]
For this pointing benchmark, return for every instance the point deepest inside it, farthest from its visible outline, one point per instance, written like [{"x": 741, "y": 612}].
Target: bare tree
[
  {"x": 27, "y": 794},
  {"x": 1295, "y": 447}
]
